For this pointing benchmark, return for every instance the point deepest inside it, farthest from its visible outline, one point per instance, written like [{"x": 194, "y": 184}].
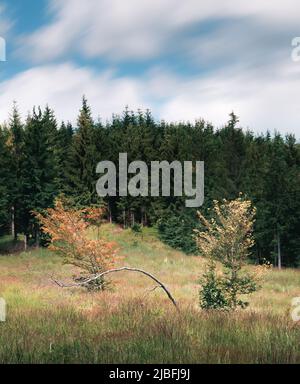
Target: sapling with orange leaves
[{"x": 68, "y": 232}]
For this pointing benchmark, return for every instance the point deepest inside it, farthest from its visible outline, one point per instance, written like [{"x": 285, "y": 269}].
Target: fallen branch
[{"x": 160, "y": 284}]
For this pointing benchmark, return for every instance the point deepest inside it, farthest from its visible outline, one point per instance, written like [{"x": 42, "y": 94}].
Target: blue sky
[{"x": 184, "y": 60}]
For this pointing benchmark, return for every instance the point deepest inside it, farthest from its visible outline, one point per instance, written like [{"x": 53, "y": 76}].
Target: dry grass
[{"x": 128, "y": 324}]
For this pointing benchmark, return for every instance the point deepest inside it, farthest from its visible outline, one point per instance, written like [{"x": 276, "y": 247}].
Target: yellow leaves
[
  {"x": 259, "y": 272},
  {"x": 228, "y": 235}
]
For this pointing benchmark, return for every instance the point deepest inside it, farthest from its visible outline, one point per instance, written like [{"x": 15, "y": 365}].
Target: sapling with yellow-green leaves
[{"x": 227, "y": 238}]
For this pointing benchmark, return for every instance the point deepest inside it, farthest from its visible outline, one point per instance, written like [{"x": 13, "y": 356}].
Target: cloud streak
[
  {"x": 141, "y": 30},
  {"x": 233, "y": 56}
]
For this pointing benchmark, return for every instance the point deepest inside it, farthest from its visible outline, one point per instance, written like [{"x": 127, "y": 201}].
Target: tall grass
[
  {"x": 128, "y": 324},
  {"x": 139, "y": 333}
]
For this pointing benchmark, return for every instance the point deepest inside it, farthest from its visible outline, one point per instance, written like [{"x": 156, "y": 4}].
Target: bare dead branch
[{"x": 96, "y": 277}]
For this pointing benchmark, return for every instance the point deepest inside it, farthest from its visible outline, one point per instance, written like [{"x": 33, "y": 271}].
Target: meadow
[{"x": 132, "y": 323}]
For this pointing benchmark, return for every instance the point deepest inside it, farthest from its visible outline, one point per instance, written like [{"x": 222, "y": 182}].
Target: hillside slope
[{"x": 131, "y": 323}]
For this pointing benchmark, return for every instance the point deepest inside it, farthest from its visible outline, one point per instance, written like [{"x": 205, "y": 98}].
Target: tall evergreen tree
[
  {"x": 64, "y": 145},
  {"x": 82, "y": 168},
  {"x": 39, "y": 175},
  {"x": 5, "y": 199},
  {"x": 16, "y": 143}
]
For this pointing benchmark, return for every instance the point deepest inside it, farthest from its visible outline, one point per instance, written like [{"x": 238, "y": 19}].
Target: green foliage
[
  {"x": 4, "y": 181},
  {"x": 16, "y": 148},
  {"x": 39, "y": 161},
  {"x": 212, "y": 295},
  {"x": 176, "y": 230},
  {"x": 39, "y": 169},
  {"x": 222, "y": 292},
  {"x": 227, "y": 237},
  {"x": 235, "y": 285},
  {"x": 137, "y": 229},
  {"x": 82, "y": 161},
  {"x": 64, "y": 145}
]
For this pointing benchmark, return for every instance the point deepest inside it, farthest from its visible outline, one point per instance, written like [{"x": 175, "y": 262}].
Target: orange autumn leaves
[{"x": 68, "y": 233}]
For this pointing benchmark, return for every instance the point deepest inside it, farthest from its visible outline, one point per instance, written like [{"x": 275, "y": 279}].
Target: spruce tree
[
  {"x": 39, "y": 174},
  {"x": 83, "y": 160},
  {"x": 16, "y": 146},
  {"x": 5, "y": 196},
  {"x": 64, "y": 145}
]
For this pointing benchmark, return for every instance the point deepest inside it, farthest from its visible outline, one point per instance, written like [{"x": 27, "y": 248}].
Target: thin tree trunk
[
  {"x": 279, "y": 251},
  {"x": 142, "y": 217},
  {"x": 124, "y": 219},
  {"x": 37, "y": 238},
  {"x": 25, "y": 243},
  {"x": 13, "y": 226},
  {"x": 109, "y": 212}
]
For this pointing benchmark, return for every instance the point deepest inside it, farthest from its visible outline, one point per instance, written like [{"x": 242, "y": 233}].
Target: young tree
[
  {"x": 67, "y": 230},
  {"x": 227, "y": 238}
]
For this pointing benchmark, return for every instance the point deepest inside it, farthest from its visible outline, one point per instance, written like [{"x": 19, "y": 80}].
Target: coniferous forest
[{"x": 42, "y": 159}]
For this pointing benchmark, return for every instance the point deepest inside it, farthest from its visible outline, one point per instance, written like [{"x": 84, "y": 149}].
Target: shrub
[
  {"x": 67, "y": 230},
  {"x": 228, "y": 239}
]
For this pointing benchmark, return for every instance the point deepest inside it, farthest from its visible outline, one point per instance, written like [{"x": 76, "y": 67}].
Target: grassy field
[{"x": 129, "y": 323}]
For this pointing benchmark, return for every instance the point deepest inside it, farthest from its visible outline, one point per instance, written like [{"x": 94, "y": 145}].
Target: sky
[{"x": 184, "y": 60}]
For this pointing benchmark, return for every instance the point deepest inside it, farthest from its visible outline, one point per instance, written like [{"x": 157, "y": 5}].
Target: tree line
[{"x": 41, "y": 159}]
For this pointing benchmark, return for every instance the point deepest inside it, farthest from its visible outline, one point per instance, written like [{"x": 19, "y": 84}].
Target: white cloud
[
  {"x": 132, "y": 29},
  {"x": 248, "y": 57},
  {"x": 261, "y": 103},
  {"x": 63, "y": 86}
]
